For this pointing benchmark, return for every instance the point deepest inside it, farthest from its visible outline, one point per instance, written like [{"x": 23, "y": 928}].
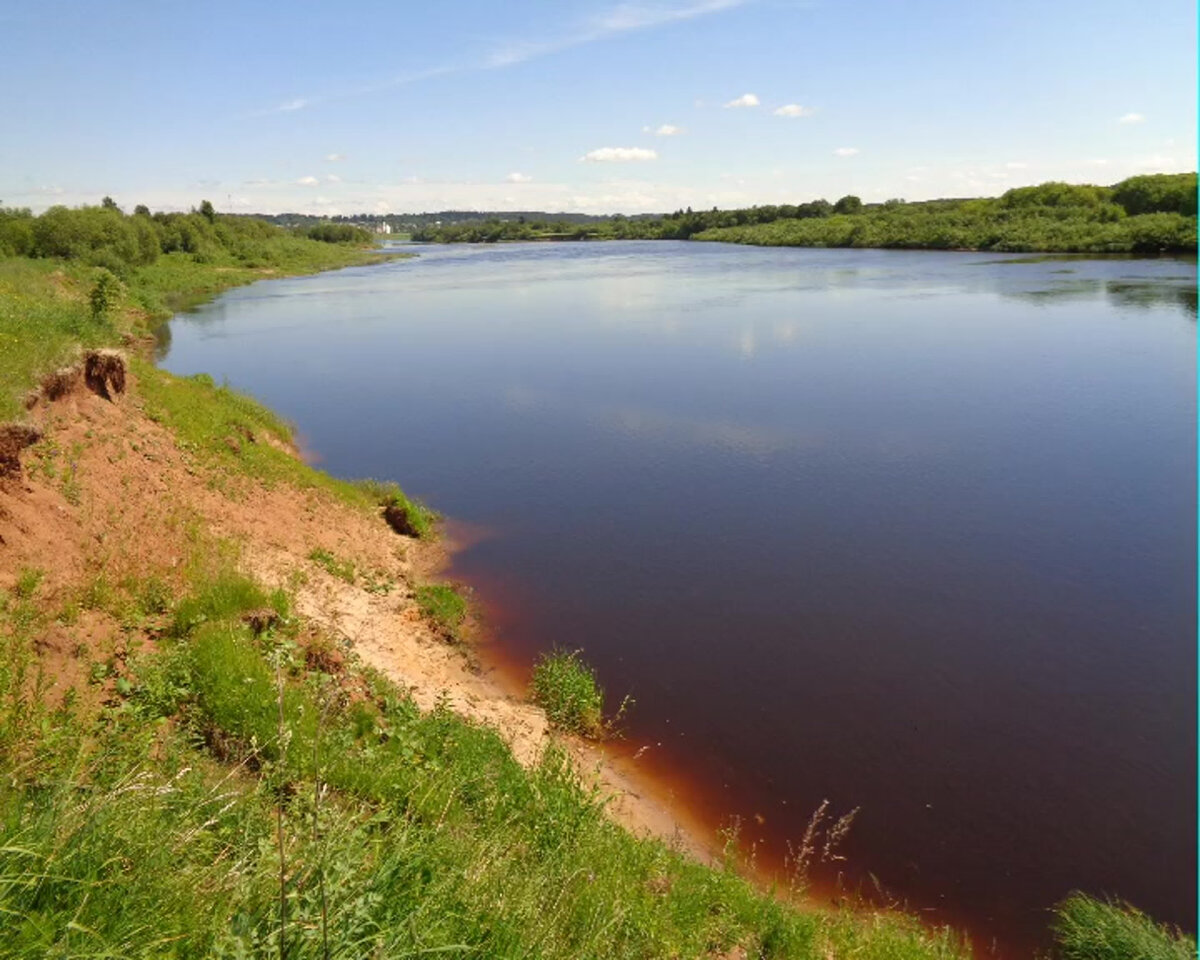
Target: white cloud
[
  {"x": 745, "y": 100},
  {"x": 308, "y": 181},
  {"x": 664, "y": 130},
  {"x": 846, "y": 152},
  {"x": 332, "y": 178},
  {"x": 1016, "y": 165},
  {"x": 1131, "y": 118},
  {"x": 335, "y": 157},
  {"x": 515, "y": 177},
  {"x": 794, "y": 110},
  {"x": 619, "y": 155},
  {"x": 298, "y": 104}
]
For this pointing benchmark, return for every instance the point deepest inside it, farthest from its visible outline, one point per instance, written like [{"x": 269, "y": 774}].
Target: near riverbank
[{"x": 230, "y": 725}]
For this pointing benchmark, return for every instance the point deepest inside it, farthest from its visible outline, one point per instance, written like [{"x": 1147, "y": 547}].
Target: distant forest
[{"x": 1146, "y": 214}]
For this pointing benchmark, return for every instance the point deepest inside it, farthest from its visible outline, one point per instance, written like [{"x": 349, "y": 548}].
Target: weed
[
  {"x": 566, "y": 688},
  {"x": 444, "y": 604},
  {"x": 335, "y": 567},
  {"x": 28, "y": 580}
]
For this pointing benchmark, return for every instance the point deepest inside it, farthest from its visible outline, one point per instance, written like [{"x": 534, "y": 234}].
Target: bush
[
  {"x": 566, "y": 688},
  {"x": 105, "y": 293}
]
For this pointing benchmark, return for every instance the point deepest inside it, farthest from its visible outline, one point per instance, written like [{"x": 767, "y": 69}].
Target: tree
[
  {"x": 141, "y": 210},
  {"x": 207, "y": 211},
  {"x": 848, "y": 204},
  {"x": 108, "y": 203}
]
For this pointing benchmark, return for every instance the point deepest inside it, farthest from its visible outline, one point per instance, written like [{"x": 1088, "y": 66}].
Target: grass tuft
[
  {"x": 408, "y": 517},
  {"x": 444, "y": 604},
  {"x": 344, "y": 570},
  {"x": 1090, "y": 929},
  {"x": 566, "y": 688}
]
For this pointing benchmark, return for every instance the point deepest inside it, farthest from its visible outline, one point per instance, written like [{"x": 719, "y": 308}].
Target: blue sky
[{"x": 587, "y": 106}]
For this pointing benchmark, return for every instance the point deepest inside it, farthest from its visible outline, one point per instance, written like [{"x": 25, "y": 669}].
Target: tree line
[
  {"x": 105, "y": 236},
  {"x": 1151, "y": 214}
]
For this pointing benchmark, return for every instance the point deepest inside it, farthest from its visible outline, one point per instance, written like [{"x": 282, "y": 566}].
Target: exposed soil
[{"x": 105, "y": 496}]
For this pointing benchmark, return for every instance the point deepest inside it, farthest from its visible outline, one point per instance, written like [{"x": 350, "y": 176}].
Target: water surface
[{"x": 910, "y": 531}]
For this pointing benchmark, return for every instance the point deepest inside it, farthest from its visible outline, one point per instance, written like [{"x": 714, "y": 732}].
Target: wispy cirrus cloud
[
  {"x": 621, "y": 19},
  {"x": 619, "y": 155},
  {"x": 1131, "y": 118},
  {"x": 515, "y": 177},
  {"x": 664, "y": 130},
  {"x": 307, "y": 182},
  {"x": 846, "y": 152}
]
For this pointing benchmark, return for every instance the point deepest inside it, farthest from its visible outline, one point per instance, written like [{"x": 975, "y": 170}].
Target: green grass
[
  {"x": 177, "y": 281},
  {"x": 404, "y": 514},
  {"x": 444, "y": 604},
  {"x": 154, "y": 827},
  {"x": 44, "y": 321},
  {"x": 1089, "y": 929},
  {"x": 566, "y": 688},
  {"x": 333, "y": 565}
]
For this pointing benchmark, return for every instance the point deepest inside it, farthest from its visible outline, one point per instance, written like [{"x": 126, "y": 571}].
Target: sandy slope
[{"x": 109, "y": 494}]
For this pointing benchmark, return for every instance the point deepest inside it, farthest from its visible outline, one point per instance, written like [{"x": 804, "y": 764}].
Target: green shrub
[
  {"x": 566, "y": 688},
  {"x": 105, "y": 293},
  {"x": 1090, "y": 929}
]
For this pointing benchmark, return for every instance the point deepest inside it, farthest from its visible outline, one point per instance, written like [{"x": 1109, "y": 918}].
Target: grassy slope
[
  {"x": 45, "y": 315},
  {"x": 154, "y": 823}
]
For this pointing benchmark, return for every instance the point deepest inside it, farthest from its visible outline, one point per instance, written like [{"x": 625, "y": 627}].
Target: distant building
[{"x": 383, "y": 227}]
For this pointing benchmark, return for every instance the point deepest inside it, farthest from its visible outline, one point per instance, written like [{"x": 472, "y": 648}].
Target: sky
[{"x": 592, "y": 107}]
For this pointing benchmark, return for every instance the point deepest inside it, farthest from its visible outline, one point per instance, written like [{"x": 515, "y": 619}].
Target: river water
[{"x": 913, "y": 532}]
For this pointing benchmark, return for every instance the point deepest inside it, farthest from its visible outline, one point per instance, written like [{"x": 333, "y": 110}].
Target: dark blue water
[{"x": 914, "y": 532}]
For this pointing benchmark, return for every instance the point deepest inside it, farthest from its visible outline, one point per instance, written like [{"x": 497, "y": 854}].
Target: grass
[
  {"x": 405, "y": 515},
  {"x": 1089, "y": 929},
  {"x": 344, "y": 570},
  {"x": 159, "y": 824},
  {"x": 44, "y": 321},
  {"x": 566, "y": 688},
  {"x": 443, "y": 604},
  {"x": 46, "y": 318}
]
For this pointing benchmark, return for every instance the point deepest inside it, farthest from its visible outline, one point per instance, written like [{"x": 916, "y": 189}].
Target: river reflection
[{"x": 910, "y": 531}]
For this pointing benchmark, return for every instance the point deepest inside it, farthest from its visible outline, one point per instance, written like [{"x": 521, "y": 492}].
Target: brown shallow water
[{"x": 910, "y": 532}]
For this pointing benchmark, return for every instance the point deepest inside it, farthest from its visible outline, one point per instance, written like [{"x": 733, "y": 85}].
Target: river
[{"x": 913, "y": 532}]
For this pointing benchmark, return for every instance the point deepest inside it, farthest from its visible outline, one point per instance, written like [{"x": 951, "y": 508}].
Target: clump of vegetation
[
  {"x": 344, "y": 570},
  {"x": 408, "y": 517},
  {"x": 1089, "y": 929},
  {"x": 445, "y": 605},
  {"x": 338, "y": 233},
  {"x": 105, "y": 293},
  {"x": 566, "y": 688}
]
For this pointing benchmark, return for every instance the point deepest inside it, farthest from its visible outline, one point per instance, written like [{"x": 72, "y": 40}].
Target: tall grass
[
  {"x": 566, "y": 688},
  {"x": 183, "y": 818},
  {"x": 1090, "y": 929}
]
